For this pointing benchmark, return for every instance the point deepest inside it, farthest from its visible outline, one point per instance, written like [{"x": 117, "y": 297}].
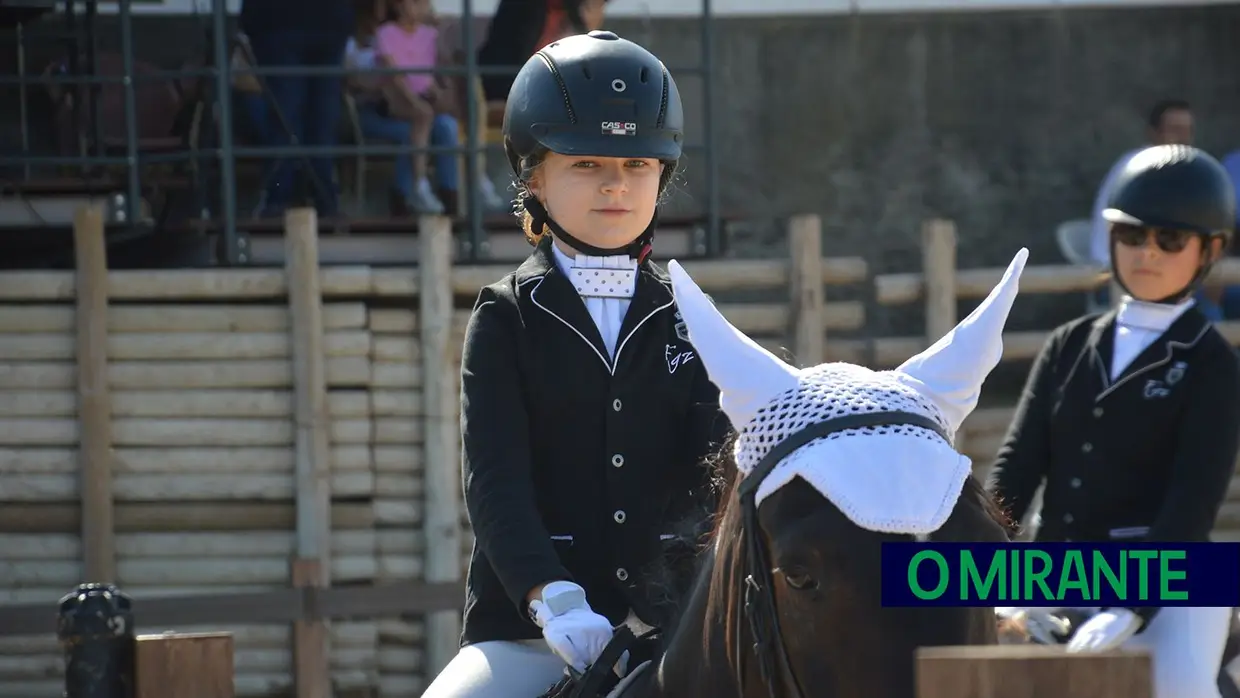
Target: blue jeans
[
  {"x": 310, "y": 104},
  {"x": 443, "y": 133}
]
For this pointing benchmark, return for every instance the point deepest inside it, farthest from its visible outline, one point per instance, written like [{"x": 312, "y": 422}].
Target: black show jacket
[
  {"x": 575, "y": 465},
  {"x": 1147, "y": 457}
]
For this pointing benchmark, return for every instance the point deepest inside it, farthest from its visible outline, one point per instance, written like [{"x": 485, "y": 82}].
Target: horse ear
[
  {"x": 951, "y": 372},
  {"x": 748, "y": 376}
]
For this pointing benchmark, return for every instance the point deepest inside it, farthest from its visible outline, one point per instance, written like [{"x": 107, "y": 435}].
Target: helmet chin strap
[
  {"x": 638, "y": 249},
  {"x": 1203, "y": 268}
]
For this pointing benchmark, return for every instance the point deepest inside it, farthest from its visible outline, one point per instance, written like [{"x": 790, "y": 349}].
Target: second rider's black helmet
[
  {"x": 1174, "y": 186},
  {"x": 1177, "y": 187},
  {"x": 593, "y": 94}
]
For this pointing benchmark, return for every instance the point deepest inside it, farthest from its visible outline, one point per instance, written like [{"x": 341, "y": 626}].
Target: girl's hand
[{"x": 433, "y": 96}]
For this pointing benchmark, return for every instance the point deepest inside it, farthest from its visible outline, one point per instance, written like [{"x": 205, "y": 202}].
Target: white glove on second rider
[
  {"x": 572, "y": 630},
  {"x": 1105, "y": 631},
  {"x": 1040, "y": 623}
]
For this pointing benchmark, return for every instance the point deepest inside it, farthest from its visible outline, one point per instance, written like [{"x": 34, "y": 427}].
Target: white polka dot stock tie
[{"x": 603, "y": 283}]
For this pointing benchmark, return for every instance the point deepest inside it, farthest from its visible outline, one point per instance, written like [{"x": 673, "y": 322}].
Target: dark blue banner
[{"x": 1061, "y": 574}]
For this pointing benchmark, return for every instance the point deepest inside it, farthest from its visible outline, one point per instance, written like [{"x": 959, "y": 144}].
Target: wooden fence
[
  {"x": 279, "y": 445},
  {"x": 274, "y": 453},
  {"x": 941, "y": 285}
]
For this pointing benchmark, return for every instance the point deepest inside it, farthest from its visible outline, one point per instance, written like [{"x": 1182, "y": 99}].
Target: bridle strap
[{"x": 758, "y": 601}]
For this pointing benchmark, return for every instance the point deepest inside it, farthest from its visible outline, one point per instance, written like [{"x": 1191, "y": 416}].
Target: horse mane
[{"x": 726, "y": 576}]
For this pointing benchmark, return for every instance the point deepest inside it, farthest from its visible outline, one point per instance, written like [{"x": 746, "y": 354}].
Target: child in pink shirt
[{"x": 411, "y": 42}]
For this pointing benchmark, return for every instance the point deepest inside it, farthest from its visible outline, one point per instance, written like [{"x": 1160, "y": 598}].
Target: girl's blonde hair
[{"x": 529, "y": 170}]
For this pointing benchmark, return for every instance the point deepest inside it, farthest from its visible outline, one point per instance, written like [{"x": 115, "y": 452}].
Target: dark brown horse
[
  {"x": 829, "y": 463},
  {"x": 839, "y": 641}
]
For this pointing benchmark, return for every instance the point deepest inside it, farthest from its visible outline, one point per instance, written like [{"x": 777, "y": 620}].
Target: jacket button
[
  {"x": 1097, "y": 411},
  {"x": 1075, "y": 482},
  {"x": 1086, "y": 447},
  {"x": 622, "y": 574},
  {"x": 1067, "y": 518},
  {"x": 619, "y": 516},
  {"x": 617, "y": 460},
  {"x": 616, "y": 404}
]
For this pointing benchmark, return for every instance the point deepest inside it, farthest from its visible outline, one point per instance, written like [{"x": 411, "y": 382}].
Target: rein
[{"x": 758, "y": 601}]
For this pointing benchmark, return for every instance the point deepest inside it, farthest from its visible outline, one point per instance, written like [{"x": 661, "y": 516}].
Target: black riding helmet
[
  {"x": 1175, "y": 187},
  {"x": 593, "y": 94}
]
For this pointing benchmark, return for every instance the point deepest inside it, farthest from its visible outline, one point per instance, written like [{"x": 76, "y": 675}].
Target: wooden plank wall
[{"x": 197, "y": 419}]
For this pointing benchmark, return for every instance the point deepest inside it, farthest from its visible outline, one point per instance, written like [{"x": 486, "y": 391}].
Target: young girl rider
[
  {"x": 1132, "y": 418},
  {"x": 585, "y": 412}
]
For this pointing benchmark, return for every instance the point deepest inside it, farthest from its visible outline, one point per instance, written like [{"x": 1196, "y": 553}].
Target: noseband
[{"x": 758, "y": 602}]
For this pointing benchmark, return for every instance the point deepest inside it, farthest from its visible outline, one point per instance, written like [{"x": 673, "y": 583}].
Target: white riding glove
[
  {"x": 1105, "y": 631},
  {"x": 572, "y": 630},
  {"x": 1039, "y": 623}
]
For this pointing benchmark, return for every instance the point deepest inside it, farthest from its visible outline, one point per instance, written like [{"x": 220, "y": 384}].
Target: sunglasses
[{"x": 1168, "y": 240}]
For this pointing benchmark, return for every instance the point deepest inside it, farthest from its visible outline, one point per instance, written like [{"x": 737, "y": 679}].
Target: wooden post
[
  {"x": 312, "y": 469},
  {"x": 938, "y": 248},
  {"x": 442, "y": 471},
  {"x": 184, "y": 666},
  {"x": 94, "y": 400},
  {"x": 1031, "y": 671},
  {"x": 808, "y": 303}
]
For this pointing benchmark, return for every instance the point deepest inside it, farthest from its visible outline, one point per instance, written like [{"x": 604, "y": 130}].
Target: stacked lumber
[
  {"x": 202, "y": 436},
  {"x": 396, "y": 403}
]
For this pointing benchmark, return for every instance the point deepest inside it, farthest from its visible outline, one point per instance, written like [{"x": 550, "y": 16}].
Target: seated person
[{"x": 421, "y": 102}]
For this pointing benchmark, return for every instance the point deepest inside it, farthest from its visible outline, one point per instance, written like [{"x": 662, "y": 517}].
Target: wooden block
[
  {"x": 184, "y": 665},
  {"x": 1031, "y": 671}
]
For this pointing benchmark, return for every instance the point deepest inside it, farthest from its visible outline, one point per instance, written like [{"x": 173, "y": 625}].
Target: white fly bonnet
[{"x": 891, "y": 478}]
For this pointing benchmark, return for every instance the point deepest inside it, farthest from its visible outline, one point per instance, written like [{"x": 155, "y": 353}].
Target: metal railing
[{"x": 227, "y": 150}]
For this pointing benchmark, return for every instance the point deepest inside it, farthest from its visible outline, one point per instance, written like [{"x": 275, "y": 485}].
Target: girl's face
[
  {"x": 414, "y": 10},
  {"x": 605, "y": 202},
  {"x": 1157, "y": 262}
]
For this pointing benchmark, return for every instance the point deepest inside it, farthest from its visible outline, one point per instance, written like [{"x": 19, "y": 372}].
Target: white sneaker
[
  {"x": 491, "y": 200},
  {"x": 424, "y": 200}
]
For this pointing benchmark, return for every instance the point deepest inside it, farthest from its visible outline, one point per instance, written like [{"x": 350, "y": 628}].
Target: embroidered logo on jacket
[
  {"x": 682, "y": 330},
  {"x": 676, "y": 358},
  {"x": 1175, "y": 373},
  {"x": 1162, "y": 388}
]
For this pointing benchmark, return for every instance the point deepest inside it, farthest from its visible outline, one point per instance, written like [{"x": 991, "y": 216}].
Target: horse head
[{"x": 828, "y": 462}]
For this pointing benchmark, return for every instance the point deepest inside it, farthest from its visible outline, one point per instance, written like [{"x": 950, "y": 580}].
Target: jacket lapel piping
[
  {"x": 627, "y": 337},
  {"x": 1170, "y": 346},
  {"x": 611, "y": 368}
]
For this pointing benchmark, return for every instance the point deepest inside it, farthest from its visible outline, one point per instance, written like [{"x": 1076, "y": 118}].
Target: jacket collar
[
  {"x": 540, "y": 277},
  {"x": 1184, "y": 333}
]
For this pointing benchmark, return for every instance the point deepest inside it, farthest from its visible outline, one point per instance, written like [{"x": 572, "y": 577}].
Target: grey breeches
[{"x": 500, "y": 669}]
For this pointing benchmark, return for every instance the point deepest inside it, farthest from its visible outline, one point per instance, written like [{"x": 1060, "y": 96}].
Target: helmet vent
[
  {"x": 667, "y": 79},
  {"x": 559, "y": 81},
  {"x": 585, "y": 70},
  {"x": 644, "y": 76}
]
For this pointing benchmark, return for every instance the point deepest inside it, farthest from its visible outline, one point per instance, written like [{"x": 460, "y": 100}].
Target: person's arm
[
  {"x": 1207, "y": 442},
  {"x": 1024, "y": 458},
  {"x": 358, "y": 83},
  {"x": 499, "y": 490}
]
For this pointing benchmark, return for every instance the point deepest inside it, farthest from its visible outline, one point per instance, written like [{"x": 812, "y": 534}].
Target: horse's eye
[{"x": 800, "y": 580}]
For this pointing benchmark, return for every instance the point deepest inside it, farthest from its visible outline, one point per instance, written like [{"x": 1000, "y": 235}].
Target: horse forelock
[{"x": 720, "y": 577}]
